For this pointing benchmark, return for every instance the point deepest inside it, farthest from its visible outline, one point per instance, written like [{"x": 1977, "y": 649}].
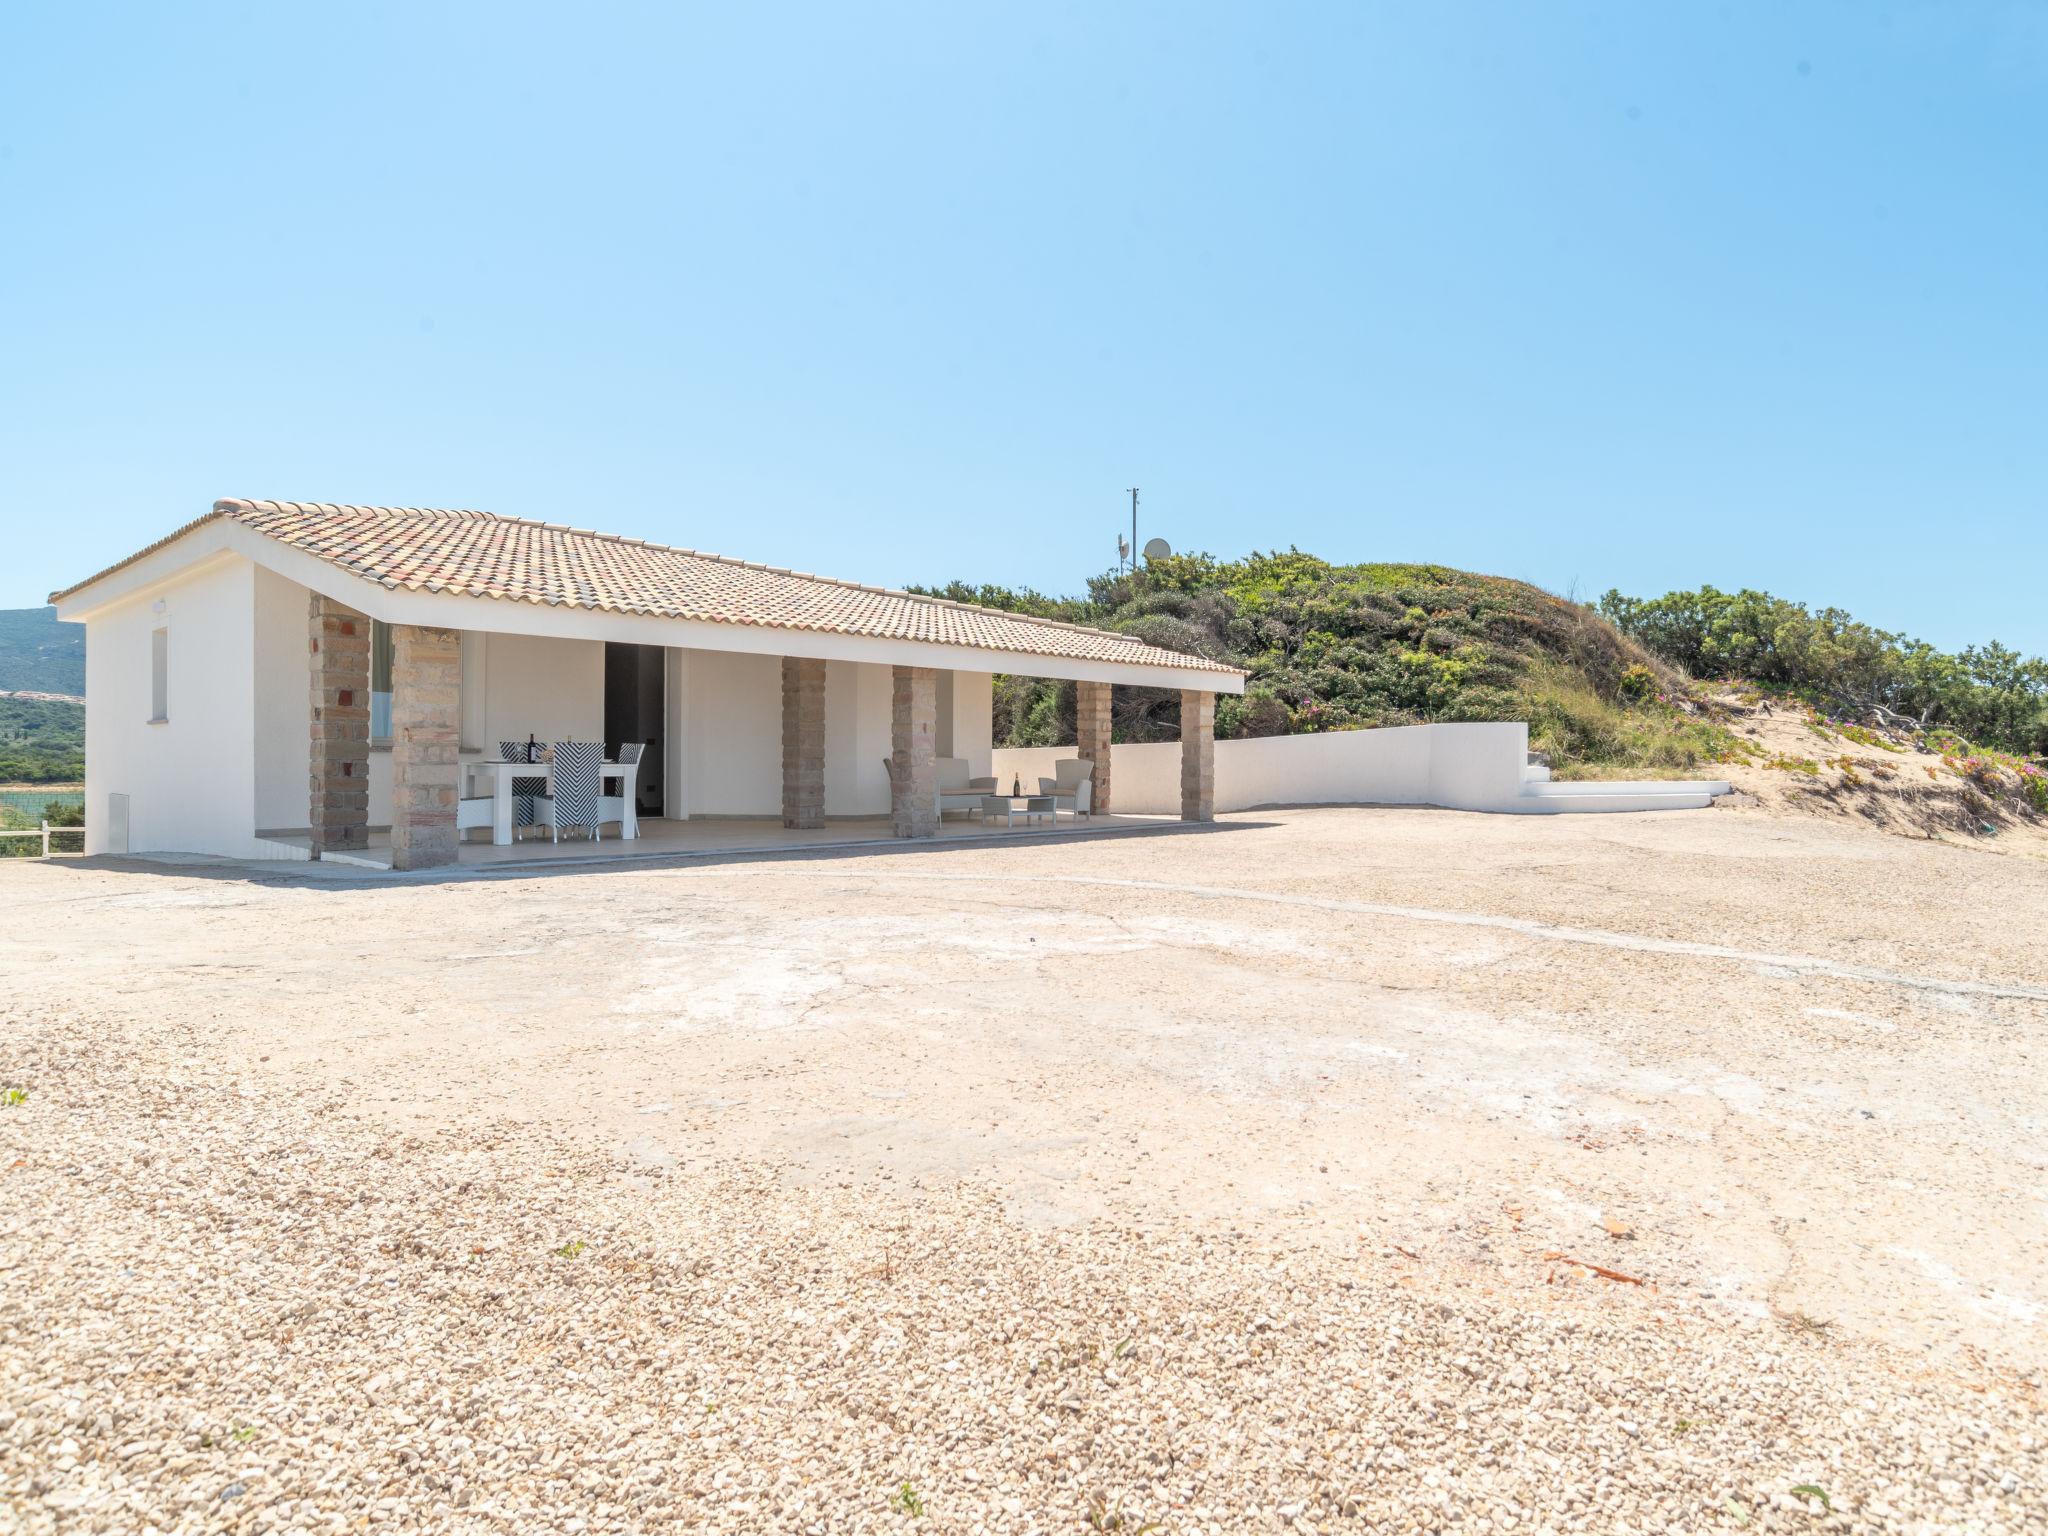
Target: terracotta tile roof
[{"x": 479, "y": 554}]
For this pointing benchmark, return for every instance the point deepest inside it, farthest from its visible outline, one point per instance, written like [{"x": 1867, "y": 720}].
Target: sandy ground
[
  {"x": 1296, "y": 1140},
  {"x": 1803, "y": 764}
]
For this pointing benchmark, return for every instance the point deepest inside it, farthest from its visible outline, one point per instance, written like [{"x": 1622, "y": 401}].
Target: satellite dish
[{"x": 1157, "y": 549}]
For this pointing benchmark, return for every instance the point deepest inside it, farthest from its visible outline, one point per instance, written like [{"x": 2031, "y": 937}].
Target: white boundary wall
[{"x": 1466, "y": 767}]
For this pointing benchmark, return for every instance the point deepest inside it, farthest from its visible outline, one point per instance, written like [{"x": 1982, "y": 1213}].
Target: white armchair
[
  {"x": 1073, "y": 786},
  {"x": 472, "y": 812}
]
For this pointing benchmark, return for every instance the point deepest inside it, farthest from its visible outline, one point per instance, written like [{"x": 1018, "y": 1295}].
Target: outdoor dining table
[{"x": 501, "y": 775}]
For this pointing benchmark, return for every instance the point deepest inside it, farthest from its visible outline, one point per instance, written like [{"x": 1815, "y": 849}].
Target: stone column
[
  {"x": 1091, "y": 737},
  {"x": 803, "y": 742},
  {"x": 338, "y": 806},
  {"x": 1197, "y": 756},
  {"x": 426, "y": 736},
  {"x": 913, "y": 727}
]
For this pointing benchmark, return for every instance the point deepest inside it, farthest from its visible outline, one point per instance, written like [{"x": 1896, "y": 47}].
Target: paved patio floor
[{"x": 662, "y": 838}]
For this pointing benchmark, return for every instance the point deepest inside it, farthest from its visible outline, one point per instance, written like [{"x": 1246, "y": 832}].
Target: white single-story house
[{"x": 293, "y": 680}]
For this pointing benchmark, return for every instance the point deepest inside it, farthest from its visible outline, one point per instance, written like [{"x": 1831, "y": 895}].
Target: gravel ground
[{"x": 292, "y": 1240}]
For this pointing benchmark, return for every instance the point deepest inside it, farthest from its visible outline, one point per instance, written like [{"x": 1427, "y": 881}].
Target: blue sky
[{"x": 1591, "y": 295}]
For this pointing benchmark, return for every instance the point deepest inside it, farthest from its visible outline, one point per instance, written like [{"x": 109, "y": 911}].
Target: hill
[
  {"x": 1339, "y": 647},
  {"x": 1608, "y": 691},
  {"x": 39, "y": 655},
  {"x": 42, "y": 741}
]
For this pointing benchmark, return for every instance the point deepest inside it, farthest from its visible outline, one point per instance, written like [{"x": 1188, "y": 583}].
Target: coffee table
[{"x": 1011, "y": 807}]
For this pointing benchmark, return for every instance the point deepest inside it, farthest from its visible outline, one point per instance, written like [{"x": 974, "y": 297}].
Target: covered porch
[{"x": 739, "y": 751}]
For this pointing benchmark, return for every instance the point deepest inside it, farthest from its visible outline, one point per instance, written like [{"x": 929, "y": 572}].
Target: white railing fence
[{"x": 46, "y": 833}]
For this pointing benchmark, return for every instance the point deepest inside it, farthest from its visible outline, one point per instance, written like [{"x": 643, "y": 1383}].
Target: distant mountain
[{"x": 39, "y": 655}]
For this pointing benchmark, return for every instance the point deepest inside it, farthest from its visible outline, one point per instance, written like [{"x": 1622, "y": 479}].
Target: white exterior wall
[
  {"x": 857, "y": 738},
  {"x": 551, "y": 690},
  {"x": 733, "y": 714},
  {"x": 190, "y": 781},
  {"x": 284, "y": 703},
  {"x": 675, "y": 754},
  {"x": 967, "y": 723}
]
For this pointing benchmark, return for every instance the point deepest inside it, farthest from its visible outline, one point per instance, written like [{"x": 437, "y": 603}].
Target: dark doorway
[{"x": 633, "y": 712}]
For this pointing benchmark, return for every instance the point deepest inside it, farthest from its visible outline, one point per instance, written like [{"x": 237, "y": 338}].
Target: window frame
[
  {"x": 380, "y": 659},
  {"x": 159, "y": 675}
]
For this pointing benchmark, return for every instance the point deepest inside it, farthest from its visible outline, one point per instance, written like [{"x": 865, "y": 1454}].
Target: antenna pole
[{"x": 1134, "y": 530}]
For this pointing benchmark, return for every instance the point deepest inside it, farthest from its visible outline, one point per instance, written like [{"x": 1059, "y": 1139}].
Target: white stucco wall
[
  {"x": 1475, "y": 767},
  {"x": 734, "y": 734},
  {"x": 857, "y": 738},
  {"x": 284, "y": 700},
  {"x": 675, "y": 796},
  {"x": 552, "y": 690},
  {"x": 191, "y": 779},
  {"x": 968, "y": 724}
]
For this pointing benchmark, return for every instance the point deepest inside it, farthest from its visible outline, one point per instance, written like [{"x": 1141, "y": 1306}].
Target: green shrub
[
  {"x": 1336, "y": 647},
  {"x": 1989, "y": 693},
  {"x": 1257, "y": 713},
  {"x": 1586, "y": 736},
  {"x": 2034, "y": 788}
]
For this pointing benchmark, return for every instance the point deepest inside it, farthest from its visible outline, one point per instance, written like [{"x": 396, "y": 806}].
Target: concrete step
[
  {"x": 1587, "y": 805},
  {"x": 1536, "y": 773},
  {"x": 1585, "y": 797},
  {"x": 1601, "y": 787}
]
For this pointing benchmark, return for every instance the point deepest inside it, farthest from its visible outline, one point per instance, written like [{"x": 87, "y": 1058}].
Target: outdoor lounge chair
[
  {"x": 1073, "y": 786},
  {"x": 958, "y": 792}
]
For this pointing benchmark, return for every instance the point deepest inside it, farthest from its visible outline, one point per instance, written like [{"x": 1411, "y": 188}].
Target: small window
[
  {"x": 159, "y": 676},
  {"x": 380, "y": 681}
]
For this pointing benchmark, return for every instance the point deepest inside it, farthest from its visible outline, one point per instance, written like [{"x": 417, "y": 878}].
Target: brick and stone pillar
[
  {"x": 426, "y": 737},
  {"x": 1197, "y": 756},
  {"x": 913, "y": 778},
  {"x": 1091, "y": 737},
  {"x": 803, "y": 742},
  {"x": 338, "y": 808}
]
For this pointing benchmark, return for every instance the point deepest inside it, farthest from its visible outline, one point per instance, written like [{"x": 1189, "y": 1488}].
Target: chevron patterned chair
[
  {"x": 576, "y": 801},
  {"x": 523, "y": 789}
]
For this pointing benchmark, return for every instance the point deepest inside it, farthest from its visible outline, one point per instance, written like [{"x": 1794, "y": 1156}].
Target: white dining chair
[
  {"x": 523, "y": 789},
  {"x": 623, "y": 807},
  {"x": 573, "y": 799}
]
